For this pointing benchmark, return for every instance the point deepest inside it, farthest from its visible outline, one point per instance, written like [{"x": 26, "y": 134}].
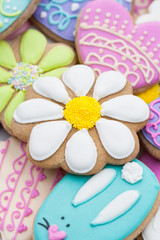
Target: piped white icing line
[
  {"x": 152, "y": 15},
  {"x": 116, "y": 138},
  {"x": 117, "y": 207},
  {"x": 152, "y": 230},
  {"x": 46, "y": 138},
  {"x": 132, "y": 172},
  {"x": 36, "y": 110},
  {"x": 127, "y": 108},
  {"x": 94, "y": 186},
  {"x": 81, "y": 152},
  {"x": 51, "y": 87},
  {"x": 108, "y": 83},
  {"x": 79, "y": 79}
]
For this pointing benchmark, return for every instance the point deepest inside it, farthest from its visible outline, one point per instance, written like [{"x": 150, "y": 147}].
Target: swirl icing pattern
[
  {"x": 23, "y": 188},
  {"x": 152, "y": 129},
  {"x": 60, "y": 16}
]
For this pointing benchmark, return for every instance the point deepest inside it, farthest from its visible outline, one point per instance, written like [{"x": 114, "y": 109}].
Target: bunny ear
[
  {"x": 117, "y": 207},
  {"x": 94, "y": 186}
]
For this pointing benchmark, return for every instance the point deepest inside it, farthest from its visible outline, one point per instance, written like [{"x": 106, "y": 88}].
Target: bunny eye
[
  {"x": 62, "y": 218},
  {"x": 68, "y": 225},
  {"x": 46, "y": 225}
]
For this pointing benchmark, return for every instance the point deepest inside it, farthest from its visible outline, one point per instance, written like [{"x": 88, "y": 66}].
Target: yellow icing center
[{"x": 82, "y": 112}]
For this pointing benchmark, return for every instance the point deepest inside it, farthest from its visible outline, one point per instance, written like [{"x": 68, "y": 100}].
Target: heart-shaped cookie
[
  {"x": 58, "y": 19},
  {"x": 23, "y": 188},
  {"x": 107, "y": 40}
]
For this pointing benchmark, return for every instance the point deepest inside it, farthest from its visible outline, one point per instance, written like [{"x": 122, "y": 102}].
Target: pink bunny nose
[{"x": 54, "y": 233}]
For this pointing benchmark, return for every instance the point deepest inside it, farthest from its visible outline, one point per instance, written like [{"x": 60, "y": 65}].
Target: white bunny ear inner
[
  {"x": 94, "y": 186},
  {"x": 117, "y": 207}
]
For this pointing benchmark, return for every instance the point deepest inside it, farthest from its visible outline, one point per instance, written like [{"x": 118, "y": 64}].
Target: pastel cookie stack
[{"x": 81, "y": 102}]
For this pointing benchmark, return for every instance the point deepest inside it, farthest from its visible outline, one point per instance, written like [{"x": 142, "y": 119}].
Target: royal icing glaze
[
  {"x": 100, "y": 181},
  {"x": 33, "y": 64},
  {"x": 132, "y": 172},
  {"x": 112, "y": 211},
  {"x": 60, "y": 17},
  {"x": 152, "y": 15},
  {"x": 10, "y": 11},
  {"x": 152, "y": 129},
  {"x": 119, "y": 202},
  {"x": 114, "y": 43},
  {"x": 80, "y": 142},
  {"x": 151, "y": 232},
  {"x": 82, "y": 113},
  {"x": 24, "y": 187}
]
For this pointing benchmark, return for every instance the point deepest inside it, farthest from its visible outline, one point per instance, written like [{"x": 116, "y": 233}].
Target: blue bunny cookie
[{"x": 109, "y": 205}]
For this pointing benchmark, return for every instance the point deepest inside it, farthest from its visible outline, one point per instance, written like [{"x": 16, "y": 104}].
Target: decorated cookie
[
  {"x": 140, "y": 6},
  {"x": 108, "y": 40},
  {"x": 152, "y": 14},
  {"x": 58, "y": 19},
  {"x": 22, "y": 61},
  {"x": 152, "y": 230},
  {"x": 151, "y": 132},
  {"x": 151, "y": 94},
  {"x": 13, "y": 13},
  {"x": 80, "y": 123},
  {"x": 23, "y": 188},
  {"x": 103, "y": 206}
]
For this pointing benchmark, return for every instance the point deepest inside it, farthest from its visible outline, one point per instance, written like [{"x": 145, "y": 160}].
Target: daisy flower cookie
[
  {"x": 22, "y": 61},
  {"x": 81, "y": 123}
]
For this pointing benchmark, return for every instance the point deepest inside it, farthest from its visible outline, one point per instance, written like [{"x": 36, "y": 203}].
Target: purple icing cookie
[
  {"x": 60, "y": 16},
  {"x": 152, "y": 130}
]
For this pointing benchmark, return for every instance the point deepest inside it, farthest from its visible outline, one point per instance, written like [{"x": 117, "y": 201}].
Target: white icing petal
[
  {"x": 152, "y": 230},
  {"x": 116, "y": 138},
  {"x": 95, "y": 185},
  {"x": 36, "y": 110},
  {"x": 117, "y": 207},
  {"x": 132, "y": 172},
  {"x": 79, "y": 79},
  {"x": 46, "y": 138},
  {"x": 127, "y": 108},
  {"x": 81, "y": 152},
  {"x": 108, "y": 83},
  {"x": 51, "y": 87}
]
